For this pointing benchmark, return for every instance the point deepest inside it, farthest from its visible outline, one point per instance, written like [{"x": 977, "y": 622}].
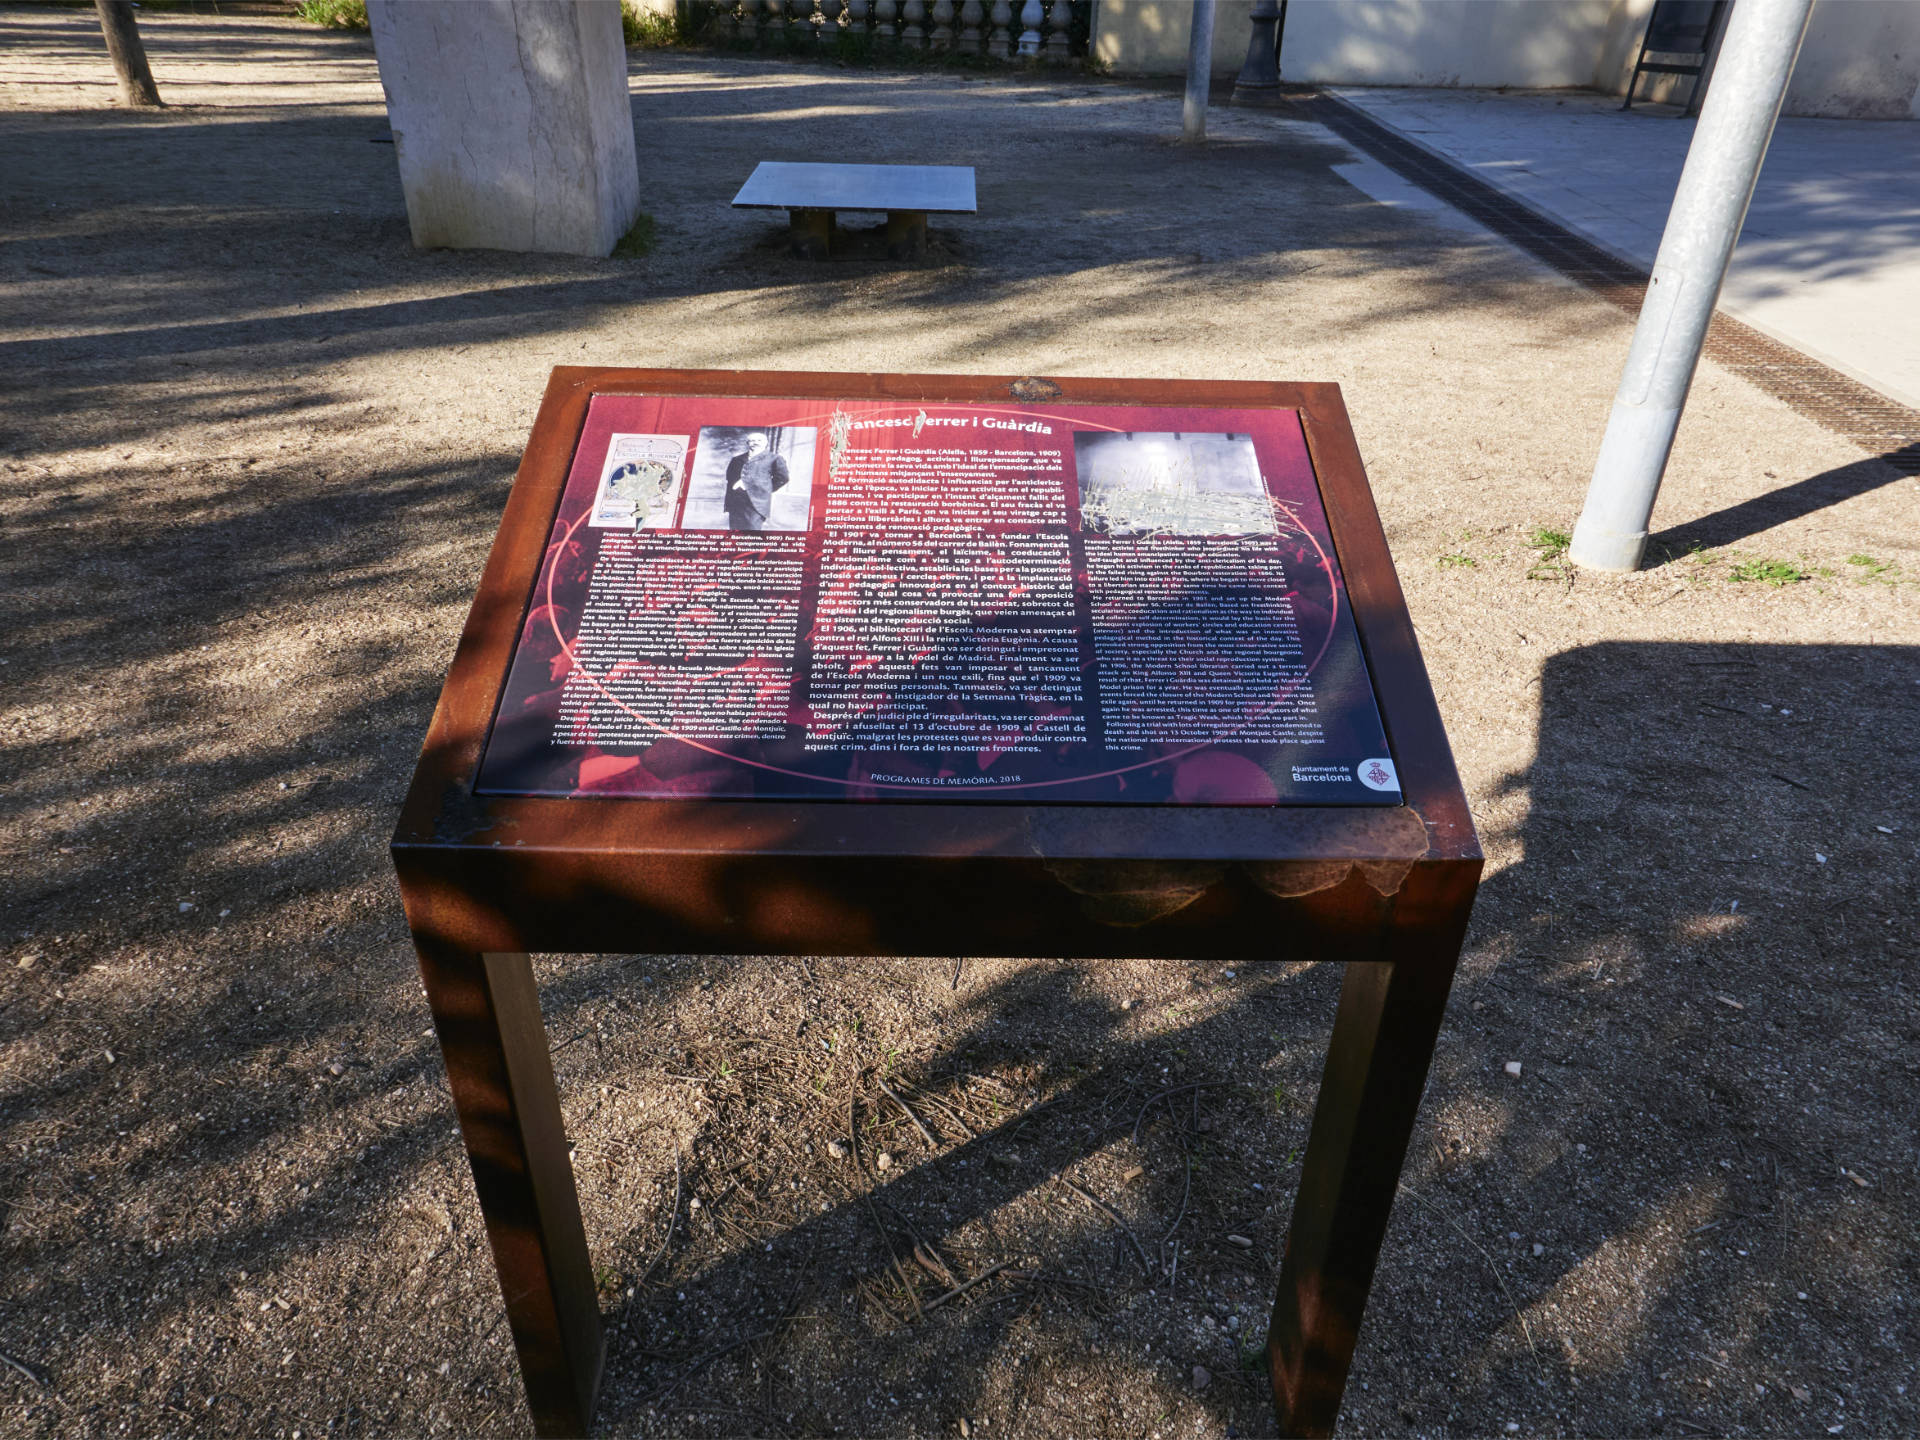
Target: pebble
[
  {"x": 694, "y": 1203},
  {"x": 1202, "y": 1377},
  {"x": 185, "y": 906},
  {"x": 1513, "y": 1068},
  {"x": 336, "y": 1069},
  {"x": 965, "y": 1428},
  {"x": 1538, "y": 1251},
  {"x": 1242, "y": 1241},
  {"x": 1128, "y": 1003},
  {"x": 837, "y": 1149},
  {"x": 883, "y": 1161}
]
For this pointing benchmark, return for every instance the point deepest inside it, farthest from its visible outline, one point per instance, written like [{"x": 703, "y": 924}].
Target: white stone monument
[{"x": 510, "y": 122}]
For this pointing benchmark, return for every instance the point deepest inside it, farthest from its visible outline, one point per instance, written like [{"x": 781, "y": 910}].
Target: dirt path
[{"x": 254, "y": 447}]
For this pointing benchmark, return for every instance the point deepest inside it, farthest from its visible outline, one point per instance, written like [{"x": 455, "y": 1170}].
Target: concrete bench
[{"x": 812, "y": 194}]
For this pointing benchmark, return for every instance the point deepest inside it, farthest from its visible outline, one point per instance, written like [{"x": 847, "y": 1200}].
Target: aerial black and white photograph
[{"x": 1170, "y": 483}]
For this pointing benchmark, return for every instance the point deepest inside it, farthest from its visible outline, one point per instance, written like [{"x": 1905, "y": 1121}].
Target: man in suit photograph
[{"x": 752, "y": 477}]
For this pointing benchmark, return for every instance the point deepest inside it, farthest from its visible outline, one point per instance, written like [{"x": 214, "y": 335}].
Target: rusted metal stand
[
  {"x": 487, "y": 878},
  {"x": 486, "y": 1012},
  {"x": 1383, "y": 1041}
]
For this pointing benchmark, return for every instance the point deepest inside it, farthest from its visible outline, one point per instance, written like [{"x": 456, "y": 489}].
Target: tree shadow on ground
[{"x": 149, "y": 228}]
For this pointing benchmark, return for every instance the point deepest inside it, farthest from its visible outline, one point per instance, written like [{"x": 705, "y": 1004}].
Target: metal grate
[{"x": 1822, "y": 394}]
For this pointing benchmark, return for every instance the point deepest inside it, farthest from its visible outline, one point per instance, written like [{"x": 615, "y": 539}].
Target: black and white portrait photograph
[
  {"x": 751, "y": 478},
  {"x": 1170, "y": 483}
]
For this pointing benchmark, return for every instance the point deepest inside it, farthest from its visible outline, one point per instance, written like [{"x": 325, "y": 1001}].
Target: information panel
[{"x": 988, "y": 603}]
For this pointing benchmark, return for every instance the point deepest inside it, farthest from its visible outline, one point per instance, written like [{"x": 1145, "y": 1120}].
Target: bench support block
[
  {"x": 906, "y": 234},
  {"x": 812, "y": 232}
]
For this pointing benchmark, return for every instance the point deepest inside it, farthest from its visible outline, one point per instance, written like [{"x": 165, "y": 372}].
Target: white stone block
[{"x": 510, "y": 121}]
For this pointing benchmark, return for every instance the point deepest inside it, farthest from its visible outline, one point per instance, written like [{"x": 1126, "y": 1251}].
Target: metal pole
[
  {"x": 1193, "y": 115},
  {"x": 1756, "y": 58}
]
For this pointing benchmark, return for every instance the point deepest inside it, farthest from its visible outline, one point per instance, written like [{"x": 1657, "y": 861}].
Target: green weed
[
  {"x": 1761, "y": 571},
  {"x": 1458, "y": 560},
  {"x": 1550, "y": 553},
  {"x": 1885, "y": 571},
  {"x": 333, "y": 14},
  {"x": 649, "y": 29},
  {"x": 1551, "y": 544},
  {"x": 638, "y": 240}
]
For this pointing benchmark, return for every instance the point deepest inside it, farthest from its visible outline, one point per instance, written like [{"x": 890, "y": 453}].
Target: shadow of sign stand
[{"x": 524, "y": 835}]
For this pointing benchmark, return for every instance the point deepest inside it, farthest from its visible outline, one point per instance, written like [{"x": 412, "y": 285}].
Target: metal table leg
[
  {"x": 1376, "y": 1071},
  {"x": 486, "y": 1012}
]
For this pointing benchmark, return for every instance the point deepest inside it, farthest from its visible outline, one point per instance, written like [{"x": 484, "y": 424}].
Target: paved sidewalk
[{"x": 1829, "y": 261}]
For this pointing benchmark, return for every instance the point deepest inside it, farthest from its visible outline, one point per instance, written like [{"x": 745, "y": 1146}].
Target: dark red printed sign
[{"x": 805, "y": 598}]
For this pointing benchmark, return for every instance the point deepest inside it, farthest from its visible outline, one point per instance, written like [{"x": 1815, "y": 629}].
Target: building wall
[
  {"x": 1620, "y": 47},
  {"x": 1861, "y": 58},
  {"x": 1861, "y": 61},
  {"x": 1481, "y": 43},
  {"x": 1149, "y": 37},
  {"x": 1528, "y": 43}
]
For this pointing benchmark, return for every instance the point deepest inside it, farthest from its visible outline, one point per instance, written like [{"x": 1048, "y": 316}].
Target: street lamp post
[
  {"x": 1723, "y": 162},
  {"x": 1193, "y": 114}
]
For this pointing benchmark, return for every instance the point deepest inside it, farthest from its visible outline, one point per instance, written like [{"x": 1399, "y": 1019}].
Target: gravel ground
[{"x": 254, "y": 447}]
